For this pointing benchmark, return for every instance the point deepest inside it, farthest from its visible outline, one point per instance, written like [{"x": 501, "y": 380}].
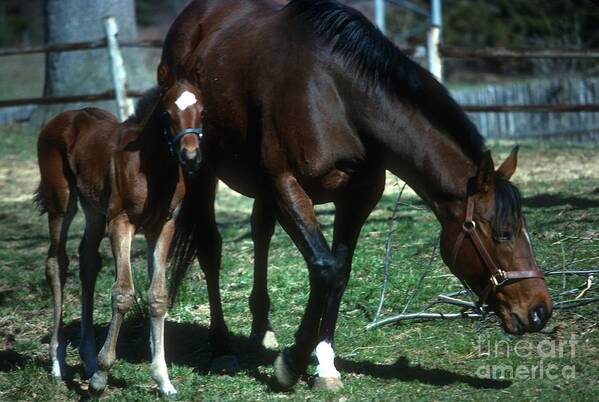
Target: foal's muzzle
[{"x": 190, "y": 159}]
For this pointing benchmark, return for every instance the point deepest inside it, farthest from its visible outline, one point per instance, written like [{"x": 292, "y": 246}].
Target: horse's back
[{"x": 74, "y": 150}]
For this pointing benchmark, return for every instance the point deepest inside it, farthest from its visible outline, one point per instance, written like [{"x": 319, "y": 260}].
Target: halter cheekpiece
[{"x": 498, "y": 277}]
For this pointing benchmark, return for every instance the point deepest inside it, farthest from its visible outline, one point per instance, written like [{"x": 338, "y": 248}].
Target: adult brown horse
[
  {"x": 309, "y": 103},
  {"x": 124, "y": 175}
]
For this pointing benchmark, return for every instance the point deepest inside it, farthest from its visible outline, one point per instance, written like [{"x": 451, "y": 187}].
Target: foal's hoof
[
  {"x": 168, "y": 391},
  {"x": 328, "y": 383},
  {"x": 226, "y": 364},
  {"x": 97, "y": 383},
  {"x": 284, "y": 374}
]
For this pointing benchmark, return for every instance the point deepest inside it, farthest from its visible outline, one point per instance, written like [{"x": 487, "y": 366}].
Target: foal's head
[
  {"x": 183, "y": 126},
  {"x": 486, "y": 245}
]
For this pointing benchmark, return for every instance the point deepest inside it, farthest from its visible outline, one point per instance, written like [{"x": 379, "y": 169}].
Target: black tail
[
  {"x": 40, "y": 199},
  {"x": 183, "y": 246}
]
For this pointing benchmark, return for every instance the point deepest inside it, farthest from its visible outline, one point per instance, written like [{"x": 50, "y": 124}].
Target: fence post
[
  {"x": 433, "y": 40},
  {"x": 379, "y": 15},
  {"x": 117, "y": 67}
]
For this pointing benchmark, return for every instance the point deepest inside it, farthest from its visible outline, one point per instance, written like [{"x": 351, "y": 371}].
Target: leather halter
[
  {"x": 498, "y": 277},
  {"x": 173, "y": 141}
]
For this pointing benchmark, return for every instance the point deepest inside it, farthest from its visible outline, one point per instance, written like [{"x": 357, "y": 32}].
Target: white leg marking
[
  {"x": 56, "y": 371},
  {"x": 326, "y": 361},
  {"x": 159, "y": 370}
]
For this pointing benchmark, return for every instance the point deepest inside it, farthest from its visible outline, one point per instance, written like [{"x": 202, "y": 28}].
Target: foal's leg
[
  {"x": 351, "y": 213},
  {"x": 263, "y": 226},
  {"x": 296, "y": 215},
  {"x": 90, "y": 263},
  {"x": 158, "y": 246},
  {"x": 121, "y": 233},
  {"x": 60, "y": 216}
]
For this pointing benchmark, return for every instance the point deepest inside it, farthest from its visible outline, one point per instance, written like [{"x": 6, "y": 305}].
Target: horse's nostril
[{"x": 538, "y": 317}]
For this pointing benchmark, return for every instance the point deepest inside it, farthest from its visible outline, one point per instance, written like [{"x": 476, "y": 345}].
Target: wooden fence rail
[
  {"x": 445, "y": 51},
  {"x": 49, "y": 100},
  {"x": 74, "y": 46}
]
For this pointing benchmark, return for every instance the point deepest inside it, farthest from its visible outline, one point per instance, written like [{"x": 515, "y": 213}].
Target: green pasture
[{"x": 444, "y": 360}]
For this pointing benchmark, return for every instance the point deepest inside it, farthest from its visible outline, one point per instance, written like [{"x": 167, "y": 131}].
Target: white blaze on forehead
[
  {"x": 185, "y": 100},
  {"x": 326, "y": 361}
]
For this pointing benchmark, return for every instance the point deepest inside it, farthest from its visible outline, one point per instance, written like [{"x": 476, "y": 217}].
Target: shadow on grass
[
  {"x": 402, "y": 370},
  {"x": 187, "y": 344}
]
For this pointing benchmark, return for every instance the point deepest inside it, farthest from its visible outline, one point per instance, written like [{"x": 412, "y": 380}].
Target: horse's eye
[{"x": 504, "y": 236}]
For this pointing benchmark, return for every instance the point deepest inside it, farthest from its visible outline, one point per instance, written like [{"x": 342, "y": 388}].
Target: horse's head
[
  {"x": 486, "y": 244},
  {"x": 183, "y": 123}
]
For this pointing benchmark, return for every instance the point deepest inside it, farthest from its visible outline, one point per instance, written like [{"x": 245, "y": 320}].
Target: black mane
[
  {"x": 145, "y": 106},
  {"x": 377, "y": 60},
  {"x": 508, "y": 205}
]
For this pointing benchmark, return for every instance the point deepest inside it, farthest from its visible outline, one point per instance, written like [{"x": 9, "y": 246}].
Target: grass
[{"x": 440, "y": 360}]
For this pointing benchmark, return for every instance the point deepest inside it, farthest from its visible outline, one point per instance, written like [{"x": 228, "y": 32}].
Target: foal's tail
[
  {"x": 52, "y": 194},
  {"x": 183, "y": 247}
]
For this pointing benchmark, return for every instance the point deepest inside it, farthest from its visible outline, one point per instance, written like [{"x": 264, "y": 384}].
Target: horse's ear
[
  {"x": 486, "y": 170},
  {"x": 165, "y": 76},
  {"x": 508, "y": 167}
]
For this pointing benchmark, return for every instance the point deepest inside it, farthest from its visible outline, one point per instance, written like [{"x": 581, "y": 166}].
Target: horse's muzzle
[{"x": 191, "y": 160}]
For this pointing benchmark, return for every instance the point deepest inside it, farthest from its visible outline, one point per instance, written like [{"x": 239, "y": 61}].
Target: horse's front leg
[
  {"x": 159, "y": 241},
  {"x": 296, "y": 214},
  {"x": 350, "y": 214},
  {"x": 121, "y": 232},
  {"x": 263, "y": 226}
]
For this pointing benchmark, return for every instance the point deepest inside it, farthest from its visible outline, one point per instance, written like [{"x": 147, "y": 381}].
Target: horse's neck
[
  {"x": 154, "y": 155},
  {"x": 430, "y": 161}
]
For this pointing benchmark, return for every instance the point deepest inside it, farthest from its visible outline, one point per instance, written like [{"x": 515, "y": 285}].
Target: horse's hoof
[
  {"x": 226, "y": 364},
  {"x": 97, "y": 383},
  {"x": 269, "y": 341},
  {"x": 286, "y": 377},
  {"x": 333, "y": 384},
  {"x": 89, "y": 370}
]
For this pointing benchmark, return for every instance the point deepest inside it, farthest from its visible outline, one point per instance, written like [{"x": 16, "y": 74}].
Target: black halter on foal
[
  {"x": 173, "y": 141},
  {"x": 498, "y": 277}
]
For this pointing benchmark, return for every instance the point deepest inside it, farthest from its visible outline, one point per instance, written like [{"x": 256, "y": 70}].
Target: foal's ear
[
  {"x": 486, "y": 170},
  {"x": 165, "y": 76},
  {"x": 508, "y": 167}
]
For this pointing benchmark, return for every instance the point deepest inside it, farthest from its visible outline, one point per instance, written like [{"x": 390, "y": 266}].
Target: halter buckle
[
  {"x": 469, "y": 226},
  {"x": 499, "y": 278}
]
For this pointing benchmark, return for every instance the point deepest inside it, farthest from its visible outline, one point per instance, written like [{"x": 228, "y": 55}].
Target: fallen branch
[{"x": 413, "y": 316}]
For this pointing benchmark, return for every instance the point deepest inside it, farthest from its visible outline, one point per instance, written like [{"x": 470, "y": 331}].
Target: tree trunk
[{"x": 88, "y": 71}]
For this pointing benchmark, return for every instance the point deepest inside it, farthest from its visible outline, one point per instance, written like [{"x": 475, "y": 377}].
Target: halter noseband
[
  {"x": 498, "y": 277},
  {"x": 173, "y": 141}
]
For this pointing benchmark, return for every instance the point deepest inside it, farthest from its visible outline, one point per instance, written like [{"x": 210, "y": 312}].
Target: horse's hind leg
[
  {"x": 61, "y": 211},
  {"x": 121, "y": 233},
  {"x": 263, "y": 225},
  {"x": 158, "y": 247},
  {"x": 90, "y": 263}
]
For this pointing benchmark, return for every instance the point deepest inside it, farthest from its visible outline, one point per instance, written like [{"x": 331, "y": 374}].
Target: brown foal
[{"x": 128, "y": 177}]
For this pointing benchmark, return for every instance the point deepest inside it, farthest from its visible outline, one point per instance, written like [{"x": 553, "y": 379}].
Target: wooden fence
[
  {"x": 545, "y": 98},
  {"x": 450, "y": 52}
]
